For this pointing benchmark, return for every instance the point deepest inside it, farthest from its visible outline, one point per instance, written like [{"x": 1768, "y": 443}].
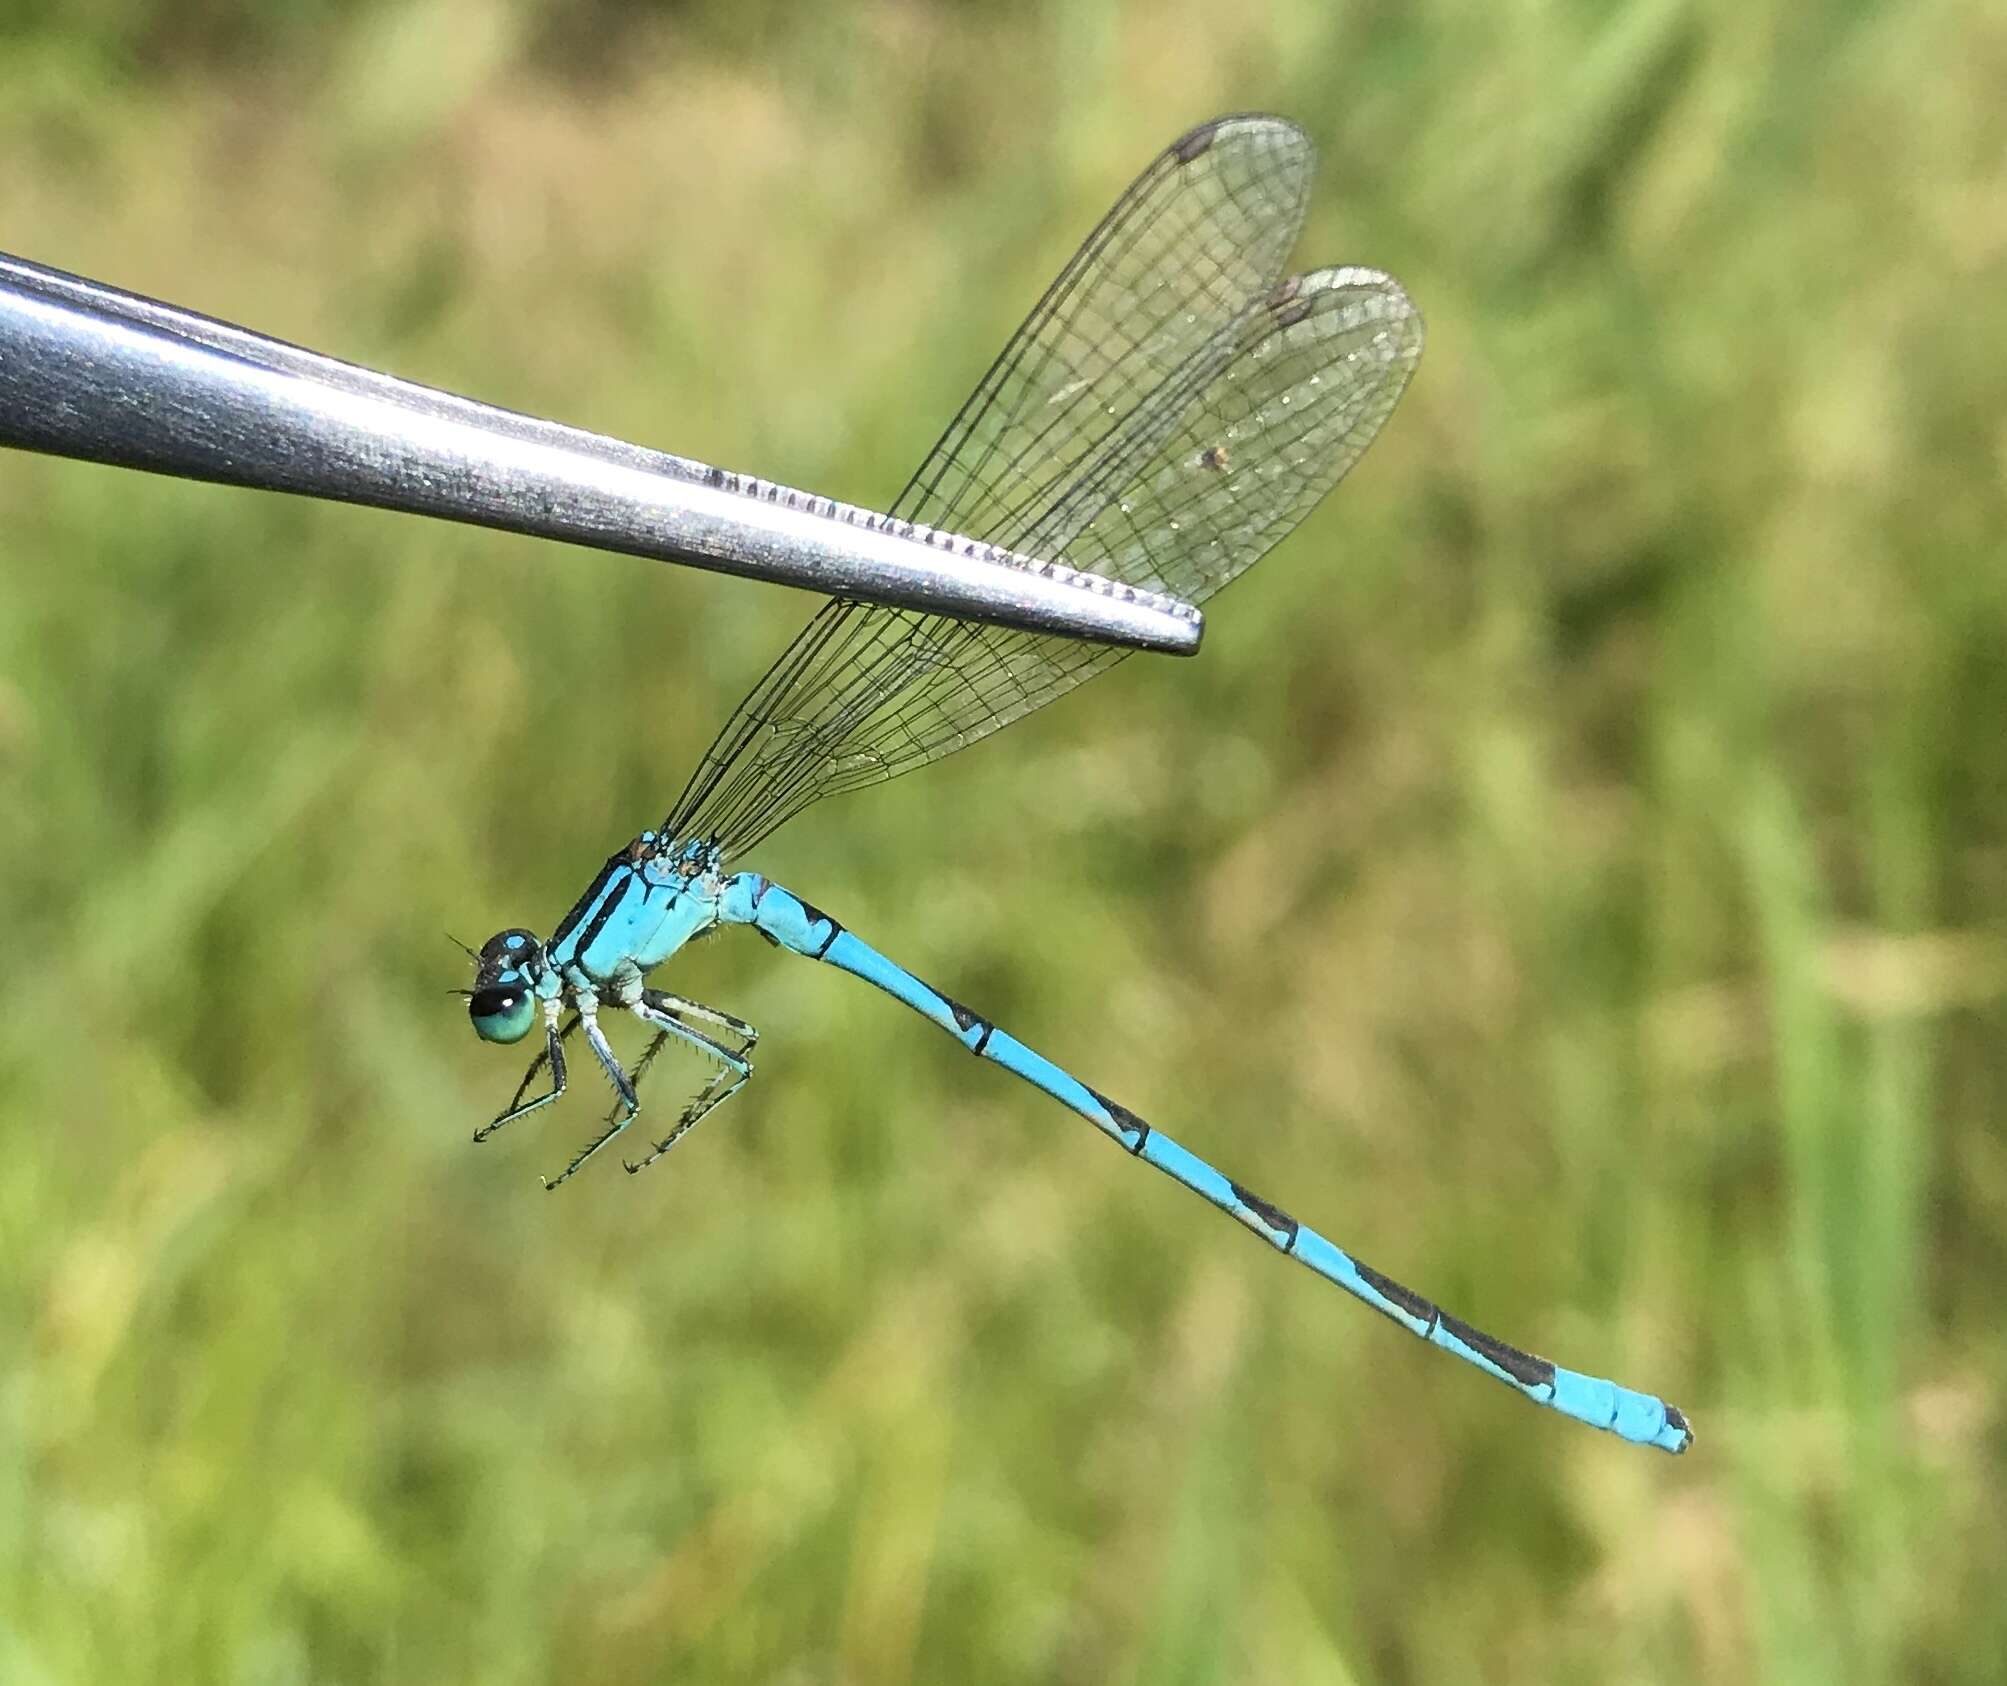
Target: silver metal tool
[{"x": 92, "y": 372}]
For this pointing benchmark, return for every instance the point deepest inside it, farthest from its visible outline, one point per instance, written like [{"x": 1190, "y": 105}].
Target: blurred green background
[{"x": 1573, "y": 875}]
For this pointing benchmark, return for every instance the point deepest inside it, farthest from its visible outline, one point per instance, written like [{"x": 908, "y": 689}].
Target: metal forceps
[{"x": 93, "y": 372}]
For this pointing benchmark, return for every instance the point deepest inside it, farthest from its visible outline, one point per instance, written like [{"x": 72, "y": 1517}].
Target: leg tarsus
[
  {"x": 616, "y": 1122},
  {"x": 625, "y": 1108},
  {"x": 669, "y": 1013},
  {"x": 706, "y": 1101},
  {"x": 552, "y": 1055}
]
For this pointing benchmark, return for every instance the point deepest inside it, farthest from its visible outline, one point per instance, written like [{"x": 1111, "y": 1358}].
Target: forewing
[
  {"x": 1166, "y": 337},
  {"x": 1312, "y": 378}
]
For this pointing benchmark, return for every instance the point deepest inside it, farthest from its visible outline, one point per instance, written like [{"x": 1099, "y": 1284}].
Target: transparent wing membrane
[{"x": 1166, "y": 415}]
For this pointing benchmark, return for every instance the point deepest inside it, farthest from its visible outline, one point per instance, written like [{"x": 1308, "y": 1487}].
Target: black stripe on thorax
[
  {"x": 569, "y": 922},
  {"x": 614, "y": 903}
]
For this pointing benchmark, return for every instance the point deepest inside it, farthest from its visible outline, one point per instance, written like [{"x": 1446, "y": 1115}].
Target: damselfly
[{"x": 1174, "y": 406}]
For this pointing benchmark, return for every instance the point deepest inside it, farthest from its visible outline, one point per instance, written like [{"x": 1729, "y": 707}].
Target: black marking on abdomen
[
  {"x": 1274, "y": 1216},
  {"x": 1406, "y": 1298},
  {"x": 966, "y": 1020},
  {"x": 1529, "y": 1369},
  {"x": 1526, "y": 1368},
  {"x": 1125, "y": 1120},
  {"x": 835, "y": 929}
]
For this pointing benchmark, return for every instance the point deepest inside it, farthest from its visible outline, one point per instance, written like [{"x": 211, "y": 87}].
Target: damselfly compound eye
[{"x": 503, "y": 1013}]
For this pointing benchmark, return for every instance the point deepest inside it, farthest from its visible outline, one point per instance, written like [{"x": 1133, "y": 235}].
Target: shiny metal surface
[{"x": 91, "y": 372}]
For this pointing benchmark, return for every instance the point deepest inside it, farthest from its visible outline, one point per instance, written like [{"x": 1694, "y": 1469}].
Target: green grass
[{"x": 1573, "y": 874}]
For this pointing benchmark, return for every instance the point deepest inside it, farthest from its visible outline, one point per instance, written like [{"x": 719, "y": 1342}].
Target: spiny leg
[
  {"x": 679, "y": 1007},
  {"x": 544, "y": 1055},
  {"x": 624, "y": 1108},
  {"x": 552, "y": 1055},
  {"x": 664, "y": 1011},
  {"x": 640, "y": 1070},
  {"x": 647, "y": 1059},
  {"x": 667, "y": 1012},
  {"x": 724, "y": 1084}
]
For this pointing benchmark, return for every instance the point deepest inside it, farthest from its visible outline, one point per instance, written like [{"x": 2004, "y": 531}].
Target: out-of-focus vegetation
[{"x": 1575, "y": 874}]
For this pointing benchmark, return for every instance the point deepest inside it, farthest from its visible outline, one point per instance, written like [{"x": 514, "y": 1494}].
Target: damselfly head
[{"x": 503, "y": 1005}]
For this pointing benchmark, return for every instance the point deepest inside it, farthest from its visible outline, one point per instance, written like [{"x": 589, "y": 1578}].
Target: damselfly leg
[
  {"x": 659, "y": 1007},
  {"x": 552, "y": 1055}
]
